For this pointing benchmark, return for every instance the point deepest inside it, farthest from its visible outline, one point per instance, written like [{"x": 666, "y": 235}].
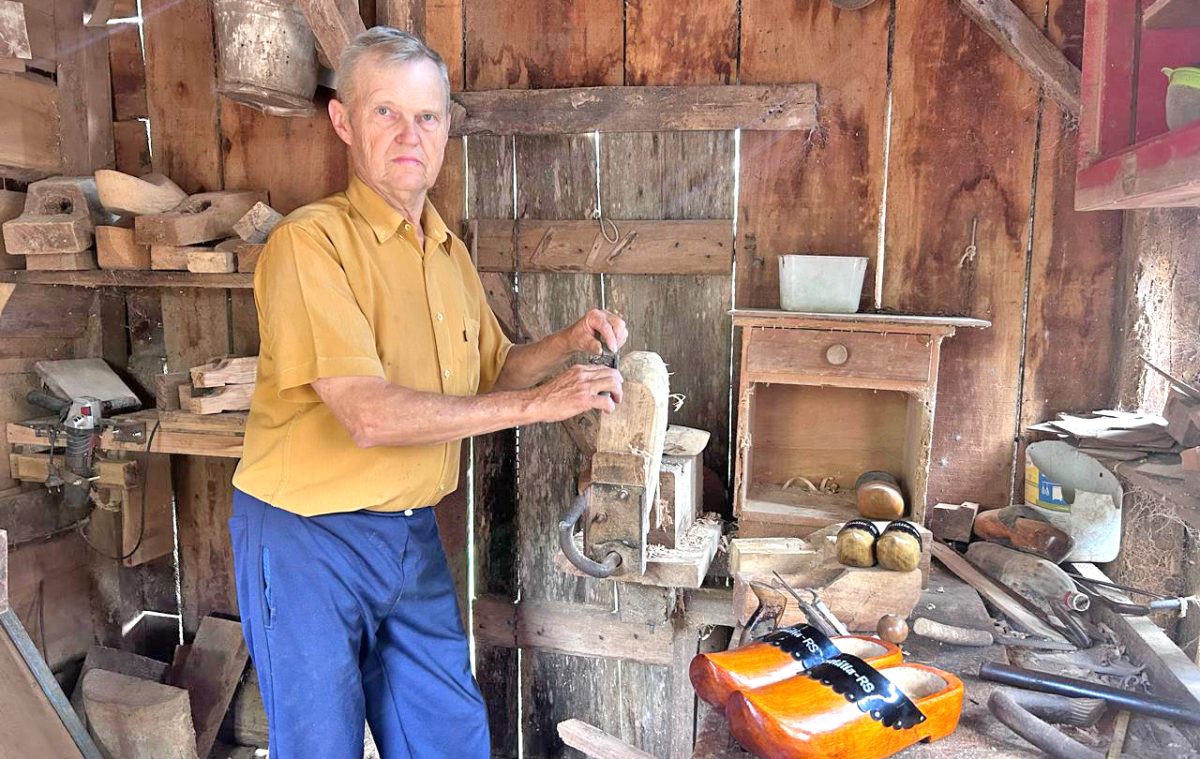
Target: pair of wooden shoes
[
  {"x": 797, "y": 693},
  {"x": 898, "y": 547}
]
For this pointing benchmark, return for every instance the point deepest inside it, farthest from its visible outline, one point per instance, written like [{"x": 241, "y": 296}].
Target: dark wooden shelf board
[{"x": 123, "y": 278}]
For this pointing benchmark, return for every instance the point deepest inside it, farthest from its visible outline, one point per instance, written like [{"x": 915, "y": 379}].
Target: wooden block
[
  {"x": 35, "y": 467},
  {"x": 642, "y": 246},
  {"x": 1183, "y": 418},
  {"x": 201, "y": 218},
  {"x": 257, "y": 223},
  {"x": 12, "y": 204},
  {"x": 171, "y": 257},
  {"x": 59, "y": 217},
  {"x": 615, "y": 521},
  {"x": 115, "y": 660},
  {"x": 226, "y": 371},
  {"x": 116, "y": 249},
  {"x": 92, "y": 377},
  {"x": 211, "y": 262},
  {"x": 1190, "y": 459},
  {"x": 133, "y": 718},
  {"x": 14, "y": 34},
  {"x": 227, "y": 398},
  {"x": 857, "y": 597},
  {"x": 948, "y": 521},
  {"x": 166, "y": 390},
  {"x": 228, "y": 423},
  {"x": 132, "y": 196},
  {"x": 210, "y": 674},
  {"x": 247, "y": 256},
  {"x": 83, "y": 261},
  {"x": 680, "y": 485},
  {"x": 764, "y": 555}
]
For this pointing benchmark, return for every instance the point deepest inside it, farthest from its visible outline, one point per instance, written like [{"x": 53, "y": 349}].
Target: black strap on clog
[
  {"x": 805, "y": 643},
  {"x": 864, "y": 686}
]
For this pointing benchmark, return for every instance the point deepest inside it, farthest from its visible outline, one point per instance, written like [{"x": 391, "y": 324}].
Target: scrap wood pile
[
  {"x": 121, "y": 222},
  {"x": 211, "y": 398}
]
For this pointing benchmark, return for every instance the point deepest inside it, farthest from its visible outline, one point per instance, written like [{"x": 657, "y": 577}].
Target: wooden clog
[
  {"x": 778, "y": 656},
  {"x": 844, "y": 708}
]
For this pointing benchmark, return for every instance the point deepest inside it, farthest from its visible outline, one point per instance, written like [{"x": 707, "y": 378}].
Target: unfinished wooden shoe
[
  {"x": 60, "y": 217},
  {"x": 778, "y": 656},
  {"x": 846, "y": 709}
]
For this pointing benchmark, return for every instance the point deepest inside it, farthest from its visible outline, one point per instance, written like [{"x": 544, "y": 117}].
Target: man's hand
[
  {"x": 581, "y": 336},
  {"x": 578, "y": 390}
]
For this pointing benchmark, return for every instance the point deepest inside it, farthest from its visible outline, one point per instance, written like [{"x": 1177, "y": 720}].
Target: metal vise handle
[{"x": 566, "y": 541}]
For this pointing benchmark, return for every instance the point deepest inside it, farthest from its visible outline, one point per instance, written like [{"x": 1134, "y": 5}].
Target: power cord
[{"x": 142, "y": 526}]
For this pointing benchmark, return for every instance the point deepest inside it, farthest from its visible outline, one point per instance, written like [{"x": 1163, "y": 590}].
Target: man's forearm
[
  {"x": 429, "y": 418},
  {"x": 530, "y": 363}
]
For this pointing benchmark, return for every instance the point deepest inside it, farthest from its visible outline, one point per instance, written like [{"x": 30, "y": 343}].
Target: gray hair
[{"x": 386, "y": 46}]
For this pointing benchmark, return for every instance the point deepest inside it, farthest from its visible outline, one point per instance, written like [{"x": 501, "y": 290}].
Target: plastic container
[
  {"x": 1183, "y": 96},
  {"x": 821, "y": 284},
  {"x": 1036, "y": 579},
  {"x": 1078, "y": 495}
]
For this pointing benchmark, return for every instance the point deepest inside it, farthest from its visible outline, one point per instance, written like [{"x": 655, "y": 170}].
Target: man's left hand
[{"x": 581, "y": 335}]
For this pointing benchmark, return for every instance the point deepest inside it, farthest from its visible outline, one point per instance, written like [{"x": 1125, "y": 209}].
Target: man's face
[{"x": 396, "y": 127}]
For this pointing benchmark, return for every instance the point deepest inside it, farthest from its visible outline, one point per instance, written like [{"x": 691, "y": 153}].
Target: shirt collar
[{"x": 385, "y": 220}]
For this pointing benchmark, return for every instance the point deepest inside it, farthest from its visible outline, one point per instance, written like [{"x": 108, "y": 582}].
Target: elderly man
[{"x": 379, "y": 354}]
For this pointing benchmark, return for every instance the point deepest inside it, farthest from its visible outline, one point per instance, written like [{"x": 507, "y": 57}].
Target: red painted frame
[{"x": 1127, "y": 157}]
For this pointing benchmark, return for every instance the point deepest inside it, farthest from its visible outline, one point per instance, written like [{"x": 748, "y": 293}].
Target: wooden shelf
[
  {"x": 115, "y": 278},
  {"x": 1172, "y": 14},
  {"x": 773, "y": 504},
  {"x": 164, "y": 440},
  {"x": 1163, "y": 171},
  {"x": 873, "y": 322}
]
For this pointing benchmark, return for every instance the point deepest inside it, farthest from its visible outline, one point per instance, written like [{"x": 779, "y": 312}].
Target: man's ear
[{"x": 339, "y": 115}]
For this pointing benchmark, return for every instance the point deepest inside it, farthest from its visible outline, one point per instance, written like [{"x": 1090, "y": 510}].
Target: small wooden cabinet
[{"x": 824, "y": 398}]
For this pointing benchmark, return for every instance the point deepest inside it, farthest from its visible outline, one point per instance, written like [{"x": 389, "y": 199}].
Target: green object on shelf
[
  {"x": 1185, "y": 76},
  {"x": 1183, "y": 96}
]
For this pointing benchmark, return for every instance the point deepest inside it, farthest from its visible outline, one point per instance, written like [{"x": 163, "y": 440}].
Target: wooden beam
[
  {"x": 569, "y": 628},
  {"x": 334, "y": 23},
  {"x": 636, "y": 109},
  {"x": 596, "y": 743},
  {"x": 117, "y": 278},
  {"x": 28, "y": 127},
  {"x": 641, "y": 246},
  {"x": 402, "y": 14},
  {"x": 85, "y": 104},
  {"x": 1024, "y": 42}
]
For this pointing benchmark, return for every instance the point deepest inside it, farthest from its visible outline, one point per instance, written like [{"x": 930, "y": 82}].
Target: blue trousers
[{"x": 351, "y": 618}]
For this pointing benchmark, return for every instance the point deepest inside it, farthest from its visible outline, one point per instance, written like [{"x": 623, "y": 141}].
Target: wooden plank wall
[{"x": 970, "y": 139}]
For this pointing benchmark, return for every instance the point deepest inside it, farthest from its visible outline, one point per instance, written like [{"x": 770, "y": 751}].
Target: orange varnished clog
[
  {"x": 844, "y": 708},
  {"x": 778, "y": 656}
]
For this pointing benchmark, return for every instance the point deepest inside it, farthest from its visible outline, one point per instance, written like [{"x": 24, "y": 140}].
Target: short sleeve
[
  {"x": 311, "y": 322},
  {"x": 493, "y": 344}
]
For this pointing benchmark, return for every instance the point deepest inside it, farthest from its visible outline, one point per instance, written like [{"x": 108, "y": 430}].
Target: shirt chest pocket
[{"x": 471, "y": 353}]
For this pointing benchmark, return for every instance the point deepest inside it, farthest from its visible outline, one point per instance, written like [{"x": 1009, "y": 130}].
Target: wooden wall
[{"x": 928, "y": 131}]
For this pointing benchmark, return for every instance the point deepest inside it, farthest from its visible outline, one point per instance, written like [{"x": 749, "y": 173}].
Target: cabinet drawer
[{"x": 852, "y": 359}]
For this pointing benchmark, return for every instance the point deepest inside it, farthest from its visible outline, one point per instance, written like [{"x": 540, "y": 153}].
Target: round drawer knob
[{"x": 837, "y": 354}]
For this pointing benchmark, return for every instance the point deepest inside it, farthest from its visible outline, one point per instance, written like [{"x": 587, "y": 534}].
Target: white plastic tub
[{"x": 821, "y": 284}]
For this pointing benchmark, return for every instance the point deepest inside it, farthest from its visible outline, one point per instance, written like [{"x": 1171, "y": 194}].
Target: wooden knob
[{"x": 837, "y": 354}]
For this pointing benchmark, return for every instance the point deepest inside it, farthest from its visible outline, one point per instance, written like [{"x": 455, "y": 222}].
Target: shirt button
[
  {"x": 446, "y": 373},
  {"x": 408, "y": 512},
  {"x": 440, "y": 316}
]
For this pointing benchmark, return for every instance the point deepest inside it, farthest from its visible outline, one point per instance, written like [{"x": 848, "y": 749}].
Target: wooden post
[{"x": 334, "y": 23}]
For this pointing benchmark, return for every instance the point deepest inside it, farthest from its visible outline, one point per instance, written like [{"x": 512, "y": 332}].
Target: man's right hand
[{"x": 577, "y": 390}]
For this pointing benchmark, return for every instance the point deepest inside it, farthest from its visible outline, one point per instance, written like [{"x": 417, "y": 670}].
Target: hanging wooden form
[{"x": 267, "y": 56}]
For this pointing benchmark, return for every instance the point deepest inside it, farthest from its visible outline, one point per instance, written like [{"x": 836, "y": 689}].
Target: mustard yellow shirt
[{"x": 344, "y": 289}]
